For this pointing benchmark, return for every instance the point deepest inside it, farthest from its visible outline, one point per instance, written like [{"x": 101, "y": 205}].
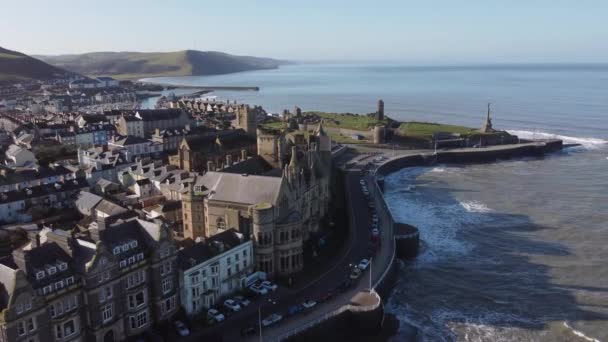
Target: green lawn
[
  {"x": 425, "y": 130},
  {"x": 348, "y": 121}
]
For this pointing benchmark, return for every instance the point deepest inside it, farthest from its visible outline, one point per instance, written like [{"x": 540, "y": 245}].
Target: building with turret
[{"x": 279, "y": 210}]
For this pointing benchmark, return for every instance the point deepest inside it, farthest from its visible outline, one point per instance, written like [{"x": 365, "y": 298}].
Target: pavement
[{"x": 356, "y": 248}]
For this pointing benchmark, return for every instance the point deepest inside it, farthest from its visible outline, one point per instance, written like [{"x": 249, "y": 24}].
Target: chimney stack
[
  {"x": 243, "y": 154},
  {"x": 229, "y": 160}
]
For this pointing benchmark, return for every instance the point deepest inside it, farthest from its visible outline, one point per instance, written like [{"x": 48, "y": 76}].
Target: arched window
[{"x": 220, "y": 224}]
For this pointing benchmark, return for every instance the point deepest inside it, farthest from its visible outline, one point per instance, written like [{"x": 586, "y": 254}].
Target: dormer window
[
  {"x": 59, "y": 285},
  {"x": 47, "y": 289},
  {"x": 123, "y": 263},
  {"x": 140, "y": 256},
  {"x": 133, "y": 243},
  {"x": 131, "y": 260},
  {"x": 69, "y": 281},
  {"x": 52, "y": 270},
  {"x": 63, "y": 266},
  {"x": 125, "y": 247},
  {"x": 116, "y": 250},
  {"x": 103, "y": 261},
  {"x": 39, "y": 275}
]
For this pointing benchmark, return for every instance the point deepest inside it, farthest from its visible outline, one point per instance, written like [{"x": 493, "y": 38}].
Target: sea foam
[{"x": 587, "y": 142}]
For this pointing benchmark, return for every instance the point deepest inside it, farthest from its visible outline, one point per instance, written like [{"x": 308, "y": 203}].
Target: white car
[
  {"x": 375, "y": 232},
  {"x": 309, "y": 304},
  {"x": 232, "y": 305},
  {"x": 269, "y": 285},
  {"x": 272, "y": 319},
  {"x": 363, "y": 264},
  {"x": 242, "y": 300},
  {"x": 181, "y": 328},
  {"x": 216, "y": 315},
  {"x": 258, "y": 289}
]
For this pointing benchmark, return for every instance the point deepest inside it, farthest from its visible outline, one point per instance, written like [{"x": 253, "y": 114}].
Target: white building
[
  {"x": 212, "y": 270},
  {"x": 17, "y": 156}
]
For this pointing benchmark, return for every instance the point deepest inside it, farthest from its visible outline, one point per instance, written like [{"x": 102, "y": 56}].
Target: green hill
[
  {"x": 150, "y": 64},
  {"x": 16, "y": 66}
]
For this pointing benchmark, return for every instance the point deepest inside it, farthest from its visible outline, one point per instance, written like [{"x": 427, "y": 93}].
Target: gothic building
[{"x": 278, "y": 210}]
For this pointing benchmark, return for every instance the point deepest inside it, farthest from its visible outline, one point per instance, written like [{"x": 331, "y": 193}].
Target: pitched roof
[
  {"x": 87, "y": 200},
  {"x": 158, "y": 114},
  {"x": 109, "y": 208},
  {"x": 237, "y": 188}
]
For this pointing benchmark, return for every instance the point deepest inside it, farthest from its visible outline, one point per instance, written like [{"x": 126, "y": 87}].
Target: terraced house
[{"x": 107, "y": 285}]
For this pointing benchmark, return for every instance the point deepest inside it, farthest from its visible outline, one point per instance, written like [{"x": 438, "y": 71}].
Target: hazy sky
[{"x": 422, "y": 31}]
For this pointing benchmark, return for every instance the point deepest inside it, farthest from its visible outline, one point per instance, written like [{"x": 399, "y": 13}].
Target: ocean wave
[
  {"x": 587, "y": 142},
  {"x": 475, "y": 207},
  {"x": 580, "y": 334}
]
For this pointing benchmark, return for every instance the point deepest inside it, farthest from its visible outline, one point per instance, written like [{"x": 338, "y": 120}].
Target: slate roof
[
  {"x": 159, "y": 114},
  {"x": 87, "y": 200},
  {"x": 237, "y": 188},
  {"x": 129, "y": 140},
  {"x": 202, "y": 251},
  {"x": 109, "y": 208}
]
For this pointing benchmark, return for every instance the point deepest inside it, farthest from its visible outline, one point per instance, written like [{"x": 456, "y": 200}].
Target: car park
[
  {"x": 257, "y": 289},
  {"x": 215, "y": 315},
  {"x": 269, "y": 285},
  {"x": 363, "y": 264},
  {"x": 232, "y": 305},
  {"x": 309, "y": 304},
  {"x": 242, "y": 300},
  {"x": 272, "y": 319},
  {"x": 181, "y": 328}
]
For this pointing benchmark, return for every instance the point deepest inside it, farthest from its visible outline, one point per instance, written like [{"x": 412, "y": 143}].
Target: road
[{"x": 356, "y": 249}]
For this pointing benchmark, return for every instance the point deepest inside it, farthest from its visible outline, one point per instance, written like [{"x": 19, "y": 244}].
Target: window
[
  {"x": 220, "y": 224},
  {"x": 59, "y": 285},
  {"x": 165, "y": 252},
  {"x": 139, "y": 320},
  {"x": 137, "y": 300},
  {"x": 238, "y": 268},
  {"x": 165, "y": 268},
  {"x": 31, "y": 324},
  {"x": 167, "y": 305},
  {"x": 106, "y": 313},
  {"x": 195, "y": 292},
  {"x": 116, "y": 250},
  {"x": 21, "y": 328},
  {"x": 105, "y": 294},
  {"x": 244, "y": 252},
  {"x": 167, "y": 285},
  {"x": 236, "y": 257},
  {"x": 47, "y": 289},
  {"x": 63, "y": 266},
  {"x": 133, "y": 243},
  {"x": 123, "y": 263},
  {"x": 194, "y": 279},
  {"x": 103, "y": 261},
  {"x": 131, "y": 260},
  {"x": 229, "y": 271},
  {"x": 229, "y": 260},
  {"x": 39, "y": 275},
  {"x": 135, "y": 279},
  {"x": 52, "y": 270},
  {"x": 69, "y": 281},
  {"x": 140, "y": 256}
]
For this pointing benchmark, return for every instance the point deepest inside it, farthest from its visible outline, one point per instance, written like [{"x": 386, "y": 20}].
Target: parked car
[
  {"x": 371, "y": 205},
  {"x": 269, "y": 285},
  {"x": 375, "y": 232},
  {"x": 242, "y": 300},
  {"x": 257, "y": 289},
  {"x": 363, "y": 264},
  {"x": 355, "y": 273},
  {"x": 215, "y": 315},
  {"x": 272, "y": 319},
  {"x": 309, "y": 304},
  {"x": 181, "y": 328},
  {"x": 248, "y": 330},
  {"x": 295, "y": 309},
  {"x": 232, "y": 305}
]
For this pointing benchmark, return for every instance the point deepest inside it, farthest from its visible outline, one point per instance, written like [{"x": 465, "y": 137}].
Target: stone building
[
  {"x": 246, "y": 119},
  {"x": 279, "y": 211},
  {"x": 107, "y": 286},
  {"x": 380, "y": 111}
]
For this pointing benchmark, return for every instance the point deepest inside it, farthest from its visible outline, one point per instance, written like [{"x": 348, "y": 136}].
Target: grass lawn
[
  {"x": 348, "y": 121},
  {"x": 425, "y": 130}
]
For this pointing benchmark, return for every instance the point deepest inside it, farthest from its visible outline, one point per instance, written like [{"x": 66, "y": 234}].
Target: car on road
[
  {"x": 248, "y": 330},
  {"x": 309, "y": 304},
  {"x": 295, "y": 309},
  {"x": 363, "y": 264},
  {"x": 257, "y": 289},
  {"x": 270, "y": 286},
  {"x": 355, "y": 273},
  {"x": 272, "y": 319},
  {"x": 215, "y": 315},
  {"x": 232, "y": 305},
  {"x": 181, "y": 328},
  {"x": 375, "y": 232},
  {"x": 242, "y": 300}
]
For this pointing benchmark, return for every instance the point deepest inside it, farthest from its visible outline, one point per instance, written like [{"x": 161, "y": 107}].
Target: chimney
[
  {"x": 229, "y": 160},
  {"x": 243, "y": 154},
  {"x": 37, "y": 240},
  {"x": 210, "y": 165},
  {"x": 157, "y": 131}
]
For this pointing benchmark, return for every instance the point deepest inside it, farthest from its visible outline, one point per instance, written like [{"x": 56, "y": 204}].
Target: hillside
[
  {"x": 16, "y": 66},
  {"x": 150, "y": 64}
]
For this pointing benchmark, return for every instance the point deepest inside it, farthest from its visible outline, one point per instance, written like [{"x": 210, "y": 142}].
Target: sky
[{"x": 416, "y": 32}]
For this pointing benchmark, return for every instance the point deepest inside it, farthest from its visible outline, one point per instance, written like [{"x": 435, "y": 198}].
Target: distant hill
[
  {"x": 150, "y": 64},
  {"x": 16, "y": 66}
]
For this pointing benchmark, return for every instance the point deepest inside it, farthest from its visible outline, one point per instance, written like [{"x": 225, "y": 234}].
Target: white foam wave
[
  {"x": 580, "y": 334},
  {"x": 586, "y": 142},
  {"x": 475, "y": 207},
  {"x": 438, "y": 169}
]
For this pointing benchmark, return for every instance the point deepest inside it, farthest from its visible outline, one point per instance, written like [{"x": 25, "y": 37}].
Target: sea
[{"x": 515, "y": 250}]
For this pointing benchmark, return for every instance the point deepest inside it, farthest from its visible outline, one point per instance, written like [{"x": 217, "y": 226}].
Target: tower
[
  {"x": 193, "y": 214},
  {"x": 246, "y": 120},
  {"x": 487, "y": 126},
  {"x": 380, "y": 111}
]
